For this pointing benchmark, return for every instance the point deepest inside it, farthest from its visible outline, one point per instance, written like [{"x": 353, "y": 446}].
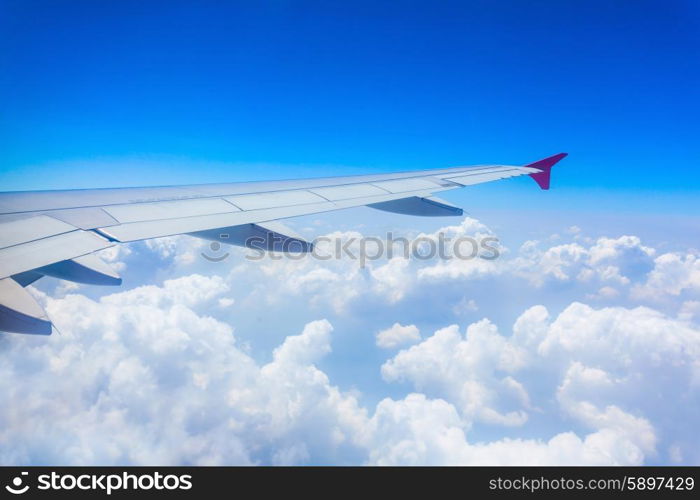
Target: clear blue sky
[{"x": 176, "y": 92}]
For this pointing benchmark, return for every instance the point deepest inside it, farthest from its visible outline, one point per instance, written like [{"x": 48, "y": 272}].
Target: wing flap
[
  {"x": 19, "y": 312},
  {"x": 415, "y": 205},
  {"x": 88, "y": 269},
  {"x": 38, "y": 253},
  {"x": 21, "y": 231},
  {"x": 269, "y": 236}
]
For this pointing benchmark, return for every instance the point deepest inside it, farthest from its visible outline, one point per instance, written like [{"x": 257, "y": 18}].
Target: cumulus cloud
[
  {"x": 619, "y": 371},
  {"x": 181, "y": 248},
  {"x": 468, "y": 370},
  {"x": 640, "y": 339},
  {"x": 140, "y": 377},
  {"x": 690, "y": 310},
  {"x": 398, "y": 335},
  {"x": 116, "y": 256},
  {"x": 157, "y": 375},
  {"x": 418, "y": 431},
  {"x": 673, "y": 273},
  {"x": 608, "y": 270},
  {"x": 606, "y": 262}
]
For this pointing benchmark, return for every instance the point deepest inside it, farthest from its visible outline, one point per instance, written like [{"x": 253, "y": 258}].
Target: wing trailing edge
[
  {"x": 267, "y": 236},
  {"x": 430, "y": 206},
  {"x": 88, "y": 269}
]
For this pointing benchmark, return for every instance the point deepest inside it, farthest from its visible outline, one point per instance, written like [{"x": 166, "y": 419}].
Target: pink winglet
[{"x": 542, "y": 178}]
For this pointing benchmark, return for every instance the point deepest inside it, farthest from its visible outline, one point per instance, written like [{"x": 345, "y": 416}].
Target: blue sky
[
  {"x": 579, "y": 345},
  {"x": 107, "y": 94}
]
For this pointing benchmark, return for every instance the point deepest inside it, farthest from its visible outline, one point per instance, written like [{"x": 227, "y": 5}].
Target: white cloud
[
  {"x": 225, "y": 302},
  {"x": 622, "y": 369},
  {"x": 690, "y": 310},
  {"x": 392, "y": 279},
  {"x": 673, "y": 273},
  {"x": 397, "y": 335},
  {"x": 612, "y": 249},
  {"x": 606, "y": 261},
  {"x": 640, "y": 339},
  {"x": 115, "y": 256},
  {"x": 469, "y": 371},
  {"x": 140, "y": 377},
  {"x": 155, "y": 374},
  {"x": 608, "y": 362},
  {"x": 579, "y": 384},
  {"x": 606, "y": 292},
  {"x": 420, "y": 431},
  {"x": 605, "y": 270},
  {"x": 167, "y": 246},
  {"x": 464, "y": 307}
]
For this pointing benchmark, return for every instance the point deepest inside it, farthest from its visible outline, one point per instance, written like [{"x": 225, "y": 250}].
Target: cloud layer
[{"x": 579, "y": 352}]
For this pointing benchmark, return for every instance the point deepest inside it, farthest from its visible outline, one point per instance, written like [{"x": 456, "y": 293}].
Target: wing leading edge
[{"x": 54, "y": 233}]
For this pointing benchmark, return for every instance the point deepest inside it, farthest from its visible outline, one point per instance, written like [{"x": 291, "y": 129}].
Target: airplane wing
[{"x": 55, "y": 233}]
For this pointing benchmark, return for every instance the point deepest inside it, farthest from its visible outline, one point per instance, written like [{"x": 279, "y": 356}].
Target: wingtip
[
  {"x": 549, "y": 161},
  {"x": 545, "y": 165}
]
